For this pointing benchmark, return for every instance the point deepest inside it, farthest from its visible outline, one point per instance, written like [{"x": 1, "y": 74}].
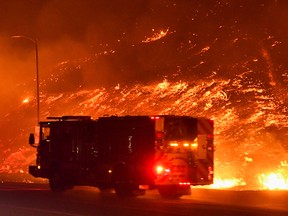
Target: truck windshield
[{"x": 177, "y": 128}]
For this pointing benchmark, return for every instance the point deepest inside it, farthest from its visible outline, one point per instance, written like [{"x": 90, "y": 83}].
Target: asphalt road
[{"x": 36, "y": 199}]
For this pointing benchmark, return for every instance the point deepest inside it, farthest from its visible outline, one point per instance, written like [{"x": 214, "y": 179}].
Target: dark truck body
[{"x": 127, "y": 153}]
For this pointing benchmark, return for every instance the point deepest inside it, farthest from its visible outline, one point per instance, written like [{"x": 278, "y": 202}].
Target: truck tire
[
  {"x": 173, "y": 191},
  {"x": 105, "y": 189},
  {"x": 124, "y": 189},
  {"x": 56, "y": 182},
  {"x": 121, "y": 181}
]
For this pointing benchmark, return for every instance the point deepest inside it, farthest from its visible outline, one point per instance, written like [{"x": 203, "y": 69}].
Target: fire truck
[{"x": 129, "y": 154}]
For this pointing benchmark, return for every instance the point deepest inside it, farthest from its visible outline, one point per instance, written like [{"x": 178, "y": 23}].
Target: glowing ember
[
  {"x": 26, "y": 100},
  {"x": 14, "y": 163},
  {"x": 156, "y": 35}
]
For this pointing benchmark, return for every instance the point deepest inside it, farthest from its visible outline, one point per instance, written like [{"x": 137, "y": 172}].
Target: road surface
[{"x": 36, "y": 199}]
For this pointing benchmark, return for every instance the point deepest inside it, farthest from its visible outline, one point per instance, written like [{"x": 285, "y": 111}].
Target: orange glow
[
  {"x": 113, "y": 62},
  {"x": 26, "y": 100},
  {"x": 174, "y": 144},
  {"x": 186, "y": 144},
  {"x": 167, "y": 97},
  {"x": 257, "y": 162},
  {"x": 274, "y": 181},
  {"x": 194, "y": 145},
  {"x": 159, "y": 169},
  {"x": 227, "y": 183}
]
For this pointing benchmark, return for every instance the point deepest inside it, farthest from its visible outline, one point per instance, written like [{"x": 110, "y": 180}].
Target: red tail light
[
  {"x": 184, "y": 183},
  {"x": 155, "y": 117},
  {"x": 160, "y": 170},
  {"x": 159, "y": 135}
]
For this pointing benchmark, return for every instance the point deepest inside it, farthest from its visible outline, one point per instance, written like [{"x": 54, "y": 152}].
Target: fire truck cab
[{"x": 127, "y": 153}]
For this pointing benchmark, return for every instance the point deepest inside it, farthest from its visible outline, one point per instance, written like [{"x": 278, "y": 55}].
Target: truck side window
[{"x": 45, "y": 133}]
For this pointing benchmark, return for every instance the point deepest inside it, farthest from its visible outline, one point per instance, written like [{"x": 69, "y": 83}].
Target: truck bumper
[
  {"x": 174, "y": 191},
  {"x": 36, "y": 172}
]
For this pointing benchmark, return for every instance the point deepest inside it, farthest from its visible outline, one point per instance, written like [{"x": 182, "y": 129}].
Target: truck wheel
[
  {"x": 124, "y": 189},
  {"x": 56, "y": 182},
  {"x": 105, "y": 189},
  {"x": 120, "y": 178},
  {"x": 169, "y": 191}
]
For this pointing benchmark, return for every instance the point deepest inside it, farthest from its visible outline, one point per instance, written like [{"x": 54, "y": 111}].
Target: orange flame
[
  {"x": 247, "y": 155},
  {"x": 156, "y": 35},
  {"x": 227, "y": 183},
  {"x": 274, "y": 181}
]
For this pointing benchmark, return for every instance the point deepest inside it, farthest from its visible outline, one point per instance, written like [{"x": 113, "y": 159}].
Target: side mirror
[{"x": 31, "y": 139}]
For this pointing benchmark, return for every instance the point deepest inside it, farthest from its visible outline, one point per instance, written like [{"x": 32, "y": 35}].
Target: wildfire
[
  {"x": 270, "y": 181},
  {"x": 221, "y": 69},
  {"x": 156, "y": 35},
  {"x": 274, "y": 181},
  {"x": 227, "y": 183},
  {"x": 247, "y": 155},
  {"x": 277, "y": 180}
]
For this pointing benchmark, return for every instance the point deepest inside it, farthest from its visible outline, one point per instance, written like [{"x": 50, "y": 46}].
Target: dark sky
[
  {"x": 67, "y": 29},
  {"x": 54, "y": 19},
  {"x": 101, "y": 20},
  {"x": 94, "y": 23}
]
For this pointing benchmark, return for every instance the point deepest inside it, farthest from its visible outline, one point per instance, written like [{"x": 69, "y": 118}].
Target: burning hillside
[
  {"x": 224, "y": 61},
  {"x": 250, "y": 129}
]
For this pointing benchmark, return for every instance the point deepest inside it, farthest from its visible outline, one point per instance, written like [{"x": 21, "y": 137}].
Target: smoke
[{"x": 205, "y": 38}]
